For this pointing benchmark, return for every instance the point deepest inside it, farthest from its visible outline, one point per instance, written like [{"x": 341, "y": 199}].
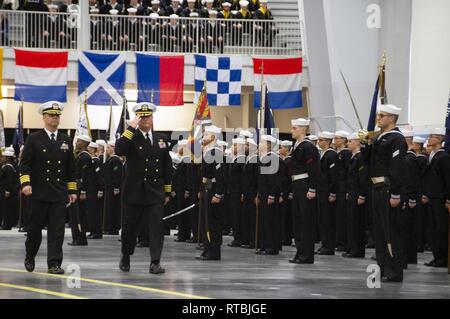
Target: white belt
[
  {"x": 299, "y": 176},
  {"x": 378, "y": 180}
]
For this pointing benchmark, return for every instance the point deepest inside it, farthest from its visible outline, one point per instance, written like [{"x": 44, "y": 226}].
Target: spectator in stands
[
  {"x": 226, "y": 14},
  {"x": 190, "y": 33},
  {"x": 154, "y": 32},
  {"x": 197, "y": 4},
  {"x": 141, "y": 11},
  {"x": 53, "y": 31},
  {"x": 112, "y": 5},
  {"x": 172, "y": 34},
  {"x": 34, "y": 23},
  {"x": 253, "y": 5},
  {"x": 130, "y": 38},
  {"x": 265, "y": 31},
  {"x": 174, "y": 8},
  {"x": 204, "y": 12},
  {"x": 190, "y": 8},
  {"x": 218, "y": 4},
  {"x": 10, "y": 5},
  {"x": 241, "y": 27},
  {"x": 212, "y": 35},
  {"x": 112, "y": 31},
  {"x": 96, "y": 29},
  {"x": 235, "y": 6},
  {"x": 156, "y": 8}
]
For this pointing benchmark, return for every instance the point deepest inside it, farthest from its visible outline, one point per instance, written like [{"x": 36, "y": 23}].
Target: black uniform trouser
[
  {"x": 439, "y": 215},
  {"x": 236, "y": 212},
  {"x": 270, "y": 224},
  {"x": 341, "y": 220},
  {"x": 369, "y": 219},
  {"x": 357, "y": 226},
  {"x": 112, "y": 210},
  {"x": 134, "y": 215},
  {"x": 184, "y": 219},
  {"x": 422, "y": 225},
  {"x": 225, "y": 216},
  {"x": 387, "y": 222},
  {"x": 211, "y": 224},
  {"x": 53, "y": 215},
  {"x": 286, "y": 219},
  {"x": 25, "y": 210},
  {"x": 303, "y": 215},
  {"x": 193, "y": 214},
  {"x": 10, "y": 209},
  {"x": 78, "y": 220},
  {"x": 94, "y": 213},
  {"x": 327, "y": 219},
  {"x": 249, "y": 219},
  {"x": 410, "y": 239}
]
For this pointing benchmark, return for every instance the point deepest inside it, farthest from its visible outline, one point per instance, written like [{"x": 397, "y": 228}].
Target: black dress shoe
[
  {"x": 95, "y": 236},
  {"x": 340, "y": 248},
  {"x": 155, "y": 268},
  {"x": 391, "y": 279},
  {"x": 22, "y": 230},
  {"x": 304, "y": 261},
  {"x": 245, "y": 246},
  {"x": 373, "y": 258},
  {"x": 56, "y": 270},
  {"x": 430, "y": 263},
  {"x": 234, "y": 244},
  {"x": 78, "y": 243},
  {"x": 270, "y": 252},
  {"x": 29, "y": 264},
  {"x": 207, "y": 258},
  {"x": 325, "y": 251},
  {"x": 111, "y": 233},
  {"x": 124, "y": 264},
  {"x": 200, "y": 247}
]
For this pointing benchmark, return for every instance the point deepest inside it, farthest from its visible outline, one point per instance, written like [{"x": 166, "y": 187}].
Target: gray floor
[{"x": 240, "y": 274}]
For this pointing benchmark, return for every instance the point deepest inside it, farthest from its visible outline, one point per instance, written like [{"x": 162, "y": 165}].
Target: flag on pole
[
  {"x": 447, "y": 127},
  {"x": 17, "y": 140},
  {"x": 124, "y": 117},
  {"x": 202, "y": 117},
  {"x": 83, "y": 126},
  {"x": 40, "y": 76},
  {"x": 2, "y": 131},
  {"x": 1, "y": 71},
  {"x": 266, "y": 123},
  {"x": 379, "y": 96}
]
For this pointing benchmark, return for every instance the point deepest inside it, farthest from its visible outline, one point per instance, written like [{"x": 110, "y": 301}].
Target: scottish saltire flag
[
  {"x": 160, "y": 79},
  {"x": 101, "y": 77},
  {"x": 447, "y": 127},
  {"x": 223, "y": 79},
  {"x": 283, "y": 78},
  {"x": 40, "y": 76},
  {"x": 17, "y": 140}
]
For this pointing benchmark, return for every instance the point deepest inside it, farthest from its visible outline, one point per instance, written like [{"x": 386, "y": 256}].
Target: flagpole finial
[
  {"x": 383, "y": 59},
  {"x": 152, "y": 97}
]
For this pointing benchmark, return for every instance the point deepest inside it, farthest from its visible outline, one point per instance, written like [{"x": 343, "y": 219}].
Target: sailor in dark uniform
[
  {"x": 241, "y": 27},
  {"x": 179, "y": 186},
  {"x": 385, "y": 157},
  {"x": 47, "y": 174},
  {"x": 286, "y": 190},
  {"x": 211, "y": 195},
  {"x": 327, "y": 190},
  {"x": 95, "y": 210},
  {"x": 9, "y": 190},
  {"x": 437, "y": 196},
  {"x": 147, "y": 184},
  {"x": 305, "y": 178}
]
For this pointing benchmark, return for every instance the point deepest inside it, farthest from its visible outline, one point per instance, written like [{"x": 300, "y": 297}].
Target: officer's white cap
[
  {"x": 343, "y": 134},
  {"x": 101, "y": 142},
  {"x": 389, "y": 108},
  {"x": 84, "y": 138},
  {"x": 269, "y": 138},
  {"x": 111, "y": 143},
  {"x": 154, "y": 15},
  {"x": 286, "y": 143},
  {"x": 144, "y": 109},
  {"x": 300, "y": 122},
  {"x": 245, "y": 134},
  {"x": 243, "y": 3},
  {"x": 113, "y": 11},
  {"x": 252, "y": 142},
  {"x": 419, "y": 140},
  {"x": 353, "y": 136},
  {"x": 213, "y": 129},
  {"x": 407, "y": 133},
  {"x": 51, "y": 107},
  {"x": 312, "y": 137},
  {"x": 93, "y": 145},
  {"x": 238, "y": 140},
  {"x": 437, "y": 131},
  {"x": 182, "y": 143},
  {"x": 326, "y": 135}
]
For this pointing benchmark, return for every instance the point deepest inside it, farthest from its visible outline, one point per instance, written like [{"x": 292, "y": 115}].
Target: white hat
[
  {"x": 213, "y": 129},
  {"x": 407, "y": 133},
  {"x": 212, "y": 12},
  {"x": 243, "y": 3},
  {"x": 209, "y": 1},
  {"x": 269, "y": 138},
  {"x": 343, "y": 134},
  {"x": 94, "y": 10},
  {"x": 84, "y": 138},
  {"x": 437, "y": 131},
  {"x": 93, "y": 145},
  {"x": 111, "y": 143},
  {"x": 312, "y": 137},
  {"x": 245, "y": 134},
  {"x": 263, "y": 1},
  {"x": 154, "y": 15},
  {"x": 238, "y": 140},
  {"x": 353, "y": 136},
  {"x": 252, "y": 142},
  {"x": 132, "y": 10},
  {"x": 389, "y": 108},
  {"x": 193, "y": 14},
  {"x": 155, "y": 2},
  {"x": 225, "y": 4},
  {"x": 190, "y": 0},
  {"x": 419, "y": 140},
  {"x": 173, "y": 16},
  {"x": 222, "y": 143},
  {"x": 113, "y": 11},
  {"x": 144, "y": 109},
  {"x": 286, "y": 143},
  {"x": 300, "y": 122},
  {"x": 8, "y": 153},
  {"x": 51, "y": 107},
  {"x": 326, "y": 135},
  {"x": 182, "y": 142},
  {"x": 101, "y": 142}
]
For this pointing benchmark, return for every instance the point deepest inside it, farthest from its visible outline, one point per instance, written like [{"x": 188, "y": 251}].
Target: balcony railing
[{"x": 142, "y": 33}]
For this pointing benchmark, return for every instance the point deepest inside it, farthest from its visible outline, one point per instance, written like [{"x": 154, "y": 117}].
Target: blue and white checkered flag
[{"x": 223, "y": 79}]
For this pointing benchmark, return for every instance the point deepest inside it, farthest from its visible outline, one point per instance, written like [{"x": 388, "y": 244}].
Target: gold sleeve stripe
[
  {"x": 128, "y": 134},
  {"x": 168, "y": 188},
  {"x": 72, "y": 186},
  {"x": 24, "y": 179}
]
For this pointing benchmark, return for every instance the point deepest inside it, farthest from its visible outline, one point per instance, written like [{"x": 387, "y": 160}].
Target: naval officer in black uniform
[
  {"x": 47, "y": 174},
  {"x": 147, "y": 184}
]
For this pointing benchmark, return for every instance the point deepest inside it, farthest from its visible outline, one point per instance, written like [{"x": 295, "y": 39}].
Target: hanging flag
[
  {"x": 283, "y": 78},
  {"x": 379, "y": 96},
  {"x": 1, "y": 72},
  {"x": 83, "y": 126},
  {"x": 223, "y": 79},
  {"x": 265, "y": 121},
  {"x": 17, "y": 140},
  {"x": 202, "y": 117},
  {"x": 162, "y": 76},
  {"x": 447, "y": 127},
  {"x": 102, "y": 77},
  {"x": 40, "y": 76},
  {"x": 124, "y": 117}
]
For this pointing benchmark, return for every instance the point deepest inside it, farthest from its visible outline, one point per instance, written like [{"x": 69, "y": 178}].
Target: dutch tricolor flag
[{"x": 40, "y": 76}]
